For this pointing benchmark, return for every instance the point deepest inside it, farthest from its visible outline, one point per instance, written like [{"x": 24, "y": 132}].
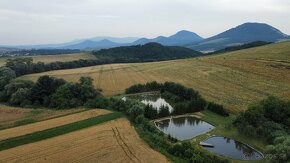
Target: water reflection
[
  {"x": 153, "y": 99},
  {"x": 184, "y": 128},
  {"x": 232, "y": 148}
]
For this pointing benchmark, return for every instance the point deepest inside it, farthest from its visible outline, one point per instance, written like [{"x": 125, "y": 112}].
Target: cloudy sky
[{"x": 55, "y": 21}]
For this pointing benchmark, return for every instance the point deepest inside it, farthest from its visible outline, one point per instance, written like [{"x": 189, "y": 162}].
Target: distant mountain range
[
  {"x": 180, "y": 38},
  {"x": 245, "y": 33}
]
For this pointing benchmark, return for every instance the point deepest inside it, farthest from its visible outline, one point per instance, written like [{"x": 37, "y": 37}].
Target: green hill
[{"x": 145, "y": 53}]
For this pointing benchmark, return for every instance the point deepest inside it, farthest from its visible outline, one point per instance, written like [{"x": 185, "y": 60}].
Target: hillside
[
  {"x": 144, "y": 53},
  {"x": 180, "y": 38},
  {"x": 241, "y": 47},
  {"x": 235, "y": 79},
  {"x": 245, "y": 33}
]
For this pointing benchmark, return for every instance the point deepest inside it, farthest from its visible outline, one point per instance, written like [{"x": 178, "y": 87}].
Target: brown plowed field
[
  {"x": 114, "y": 141},
  {"x": 43, "y": 125}
]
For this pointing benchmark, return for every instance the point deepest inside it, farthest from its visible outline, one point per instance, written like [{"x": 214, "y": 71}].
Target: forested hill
[{"x": 145, "y": 53}]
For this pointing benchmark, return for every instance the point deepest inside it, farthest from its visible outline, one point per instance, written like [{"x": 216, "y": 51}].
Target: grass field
[
  {"x": 16, "y": 116},
  {"x": 113, "y": 141},
  {"x": 235, "y": 79},
  {"x": 44, "y": 125},
  {"x": 54, "y": 58}
]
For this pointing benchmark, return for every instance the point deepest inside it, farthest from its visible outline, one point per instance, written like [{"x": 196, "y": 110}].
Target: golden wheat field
[
  {"x": 114, "y": 141},
  {"x": 235, "y": 79},
  {"x": 43, "y": 125},
  {"x": 11, "y": 116},
  {"x": 54, "y": 58}
]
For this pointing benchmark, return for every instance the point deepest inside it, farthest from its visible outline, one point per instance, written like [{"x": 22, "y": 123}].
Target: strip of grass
[
  {"x": 32, "y": 120},
  {"x": 49, "y": 133}
]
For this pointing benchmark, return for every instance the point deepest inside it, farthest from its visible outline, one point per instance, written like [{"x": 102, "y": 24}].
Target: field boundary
[
  {"x": 35, "y": 121},
  {"x": 57, "y": 131}
]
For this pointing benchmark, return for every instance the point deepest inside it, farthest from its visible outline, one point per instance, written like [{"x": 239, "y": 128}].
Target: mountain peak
[{"x": 241, "y": 34}]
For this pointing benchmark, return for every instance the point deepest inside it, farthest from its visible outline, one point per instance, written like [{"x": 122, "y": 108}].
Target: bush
[{"x": 216, "y": 108}]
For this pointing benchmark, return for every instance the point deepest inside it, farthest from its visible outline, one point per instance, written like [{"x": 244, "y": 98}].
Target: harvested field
[
  {"x": 54, "y": 58},
  {"x": 114, "y": 141},
  {"x": 43, "y": 125},
  {"x": 235, "y": 79},
  {"x": 11, "y": 116}
]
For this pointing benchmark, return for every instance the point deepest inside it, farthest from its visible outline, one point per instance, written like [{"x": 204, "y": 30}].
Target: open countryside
[
  {"x": 149, "y": 81},
  {"x": 235, "y": 79}
]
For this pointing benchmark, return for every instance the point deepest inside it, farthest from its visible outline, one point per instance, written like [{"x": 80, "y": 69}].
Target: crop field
[
  {"x": 43, "y": 125},
  {"x": 14, "y": 116},
  {"x": 235, "y": 79},
  {"x": 54, "y": 58},
  {"x": 113, "y": 141}
]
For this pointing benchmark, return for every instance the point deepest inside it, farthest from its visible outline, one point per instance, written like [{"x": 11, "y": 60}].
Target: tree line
[
  {"x": 46, "y": 91},
  {"x": 131, "y": 54},
  {"x": 31, "y": 52}
]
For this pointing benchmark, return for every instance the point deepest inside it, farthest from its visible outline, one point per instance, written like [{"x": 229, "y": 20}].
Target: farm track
[
  {"x": 124, "y": 146},
  {"x": 100, "y": 77}
]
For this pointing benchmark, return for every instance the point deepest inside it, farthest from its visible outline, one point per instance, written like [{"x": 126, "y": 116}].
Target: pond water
[
  {"x": 183, "y": 128},
  {"x": 153, "y": 99},
  {"x": 232, "y": 149}
]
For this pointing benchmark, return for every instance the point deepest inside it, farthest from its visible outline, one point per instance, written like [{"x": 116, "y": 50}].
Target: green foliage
[
  {"x": 51, "y": 92},
  {"x": 144, "y": 53},
  {"x": 163, "y": 111},
  {"x": 150, "y": 112},
  {"x": 21, "y": 97},
  {"x": 64, "y": 98},
  {"x": 6, "y": 75},
  {"x": 216, "y": 108},
  {"x": 268, "y": 119},
  {"x": 44, "y": 88},
  {"x": 186, "y": 100},
  {"x": 15, "y": 89},
  {"x": 240, "y": 47},
  {"x": 21, "y": 66},
  {"x": 280, "y": 150}
]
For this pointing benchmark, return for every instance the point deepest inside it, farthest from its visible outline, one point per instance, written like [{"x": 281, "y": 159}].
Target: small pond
[
  {"x": 152, "y": 98},
  {"x": 232, "y": 149},
  {"x": 183, "y": 128}
]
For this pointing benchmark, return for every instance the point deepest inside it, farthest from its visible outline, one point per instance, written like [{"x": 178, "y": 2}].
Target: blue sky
[{"x": 54, "y": 21}]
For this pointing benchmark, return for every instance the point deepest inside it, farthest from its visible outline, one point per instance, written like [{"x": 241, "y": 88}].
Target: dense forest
[
  {"x": 145, "y": 53},
  {"x": 240, "y": 47},
  {"x": 270, "y": 120}
]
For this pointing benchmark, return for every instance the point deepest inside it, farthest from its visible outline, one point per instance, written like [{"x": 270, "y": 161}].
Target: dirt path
[
  {"x": 43, "y": 125},
  {"x": 114, "y": 141}
]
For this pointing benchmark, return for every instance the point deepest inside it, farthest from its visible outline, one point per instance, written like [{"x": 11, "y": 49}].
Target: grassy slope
[
  {"x": 235, "y": 79},
  {"x": 54, "y": 58},
  {"x": 49, "y": 133}
]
